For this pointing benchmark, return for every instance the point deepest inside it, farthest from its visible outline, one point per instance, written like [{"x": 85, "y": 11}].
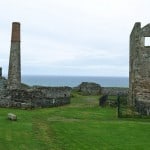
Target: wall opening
[{"x": 147, "y": 41}]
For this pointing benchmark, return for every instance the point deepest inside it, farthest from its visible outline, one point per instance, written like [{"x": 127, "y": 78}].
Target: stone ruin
[
  {"x": 89, "y": 88},
  {"x": 139, "y": 75},
  {"x": 17, "y": 95}
]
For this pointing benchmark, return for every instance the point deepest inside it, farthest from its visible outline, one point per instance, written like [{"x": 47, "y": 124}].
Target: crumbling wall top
[
  {"x": 146, "y": 31},
  {"x": 137, "y": 26}
]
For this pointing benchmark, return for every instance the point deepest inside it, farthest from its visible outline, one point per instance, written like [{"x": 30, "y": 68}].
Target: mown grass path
[{"x": 82, "y": 125}]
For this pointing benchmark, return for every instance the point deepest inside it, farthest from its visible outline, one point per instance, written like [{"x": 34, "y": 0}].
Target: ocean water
[{"x": 74, "y": 81}]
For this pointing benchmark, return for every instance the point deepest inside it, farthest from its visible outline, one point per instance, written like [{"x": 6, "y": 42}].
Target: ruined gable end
[{"x": 139, "y": 75}]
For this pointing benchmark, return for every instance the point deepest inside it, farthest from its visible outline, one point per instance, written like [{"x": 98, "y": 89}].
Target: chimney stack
[{"x": 14, "y": 72}]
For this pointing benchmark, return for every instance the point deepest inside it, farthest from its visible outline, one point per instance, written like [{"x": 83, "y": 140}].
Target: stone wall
[
  {"x": 114, "y": 91},
  {"x": 143, "y": 107},
  {"x": 3, "y": 86},
  {"x": 33, "y": 97},
  {"x": 139, "y": 86},
  {"x": 40, "y": 97},
  {"x": 51, "y": 96},
  {"x": 90, "y": 88}
]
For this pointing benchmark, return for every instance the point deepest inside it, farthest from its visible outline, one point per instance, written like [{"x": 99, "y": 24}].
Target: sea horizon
[{"x": 75, "y": 80}]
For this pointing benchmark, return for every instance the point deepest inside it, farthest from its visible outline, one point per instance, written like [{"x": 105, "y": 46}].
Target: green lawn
[{"x": 82, "y": 125}]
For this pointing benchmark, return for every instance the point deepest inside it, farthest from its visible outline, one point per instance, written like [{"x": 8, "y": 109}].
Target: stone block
[{"x": 12, "y": 116}]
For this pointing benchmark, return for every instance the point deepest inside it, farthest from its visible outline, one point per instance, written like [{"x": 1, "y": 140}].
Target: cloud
[{"x": 72, "y": 37}]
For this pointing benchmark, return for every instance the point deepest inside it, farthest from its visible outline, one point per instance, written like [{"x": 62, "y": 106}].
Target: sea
[{"x": 73, "y": 81}]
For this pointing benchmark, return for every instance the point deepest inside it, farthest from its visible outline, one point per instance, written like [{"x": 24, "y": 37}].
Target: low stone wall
[
  {"x": 51, "y": 96},
  {"x": 36, "y": 97},
  {"x": 39, "y": 96},
  {"x": 3, "y": 85},
  {"x": 114, "y": 91},
  {"x": 143, "y": 107}
]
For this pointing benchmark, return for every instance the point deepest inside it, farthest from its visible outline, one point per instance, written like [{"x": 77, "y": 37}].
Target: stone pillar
[
  {"x": 133, "y": 69},
  {"x": 14, "y": 72},
  {"x": 0, "y": 72}
]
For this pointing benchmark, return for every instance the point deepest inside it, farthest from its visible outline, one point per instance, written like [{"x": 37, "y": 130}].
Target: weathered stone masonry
[
  {"x": 17, "y": 95},
  {"x": 35, "y": 97},
  {"x": 14, "y": 73},
  {"x": 139, "y": 81}
]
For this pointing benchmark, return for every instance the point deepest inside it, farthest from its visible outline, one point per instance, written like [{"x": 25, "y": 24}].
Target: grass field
[{"x": 82, "y": 125}]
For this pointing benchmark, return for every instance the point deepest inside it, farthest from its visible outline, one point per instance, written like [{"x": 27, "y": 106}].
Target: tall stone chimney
[{"x": 14, "y": 72}]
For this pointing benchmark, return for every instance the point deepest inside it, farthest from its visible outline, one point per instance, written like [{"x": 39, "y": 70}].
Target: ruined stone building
[
  {"x": 139, "y": 75},
  {"x": 15, "y": 94}
]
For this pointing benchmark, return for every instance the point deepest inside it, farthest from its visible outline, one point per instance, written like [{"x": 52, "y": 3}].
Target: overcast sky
[{"x": 72, "y": 37}]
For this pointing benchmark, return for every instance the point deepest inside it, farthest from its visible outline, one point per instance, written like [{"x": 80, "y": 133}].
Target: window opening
[{"x": 147, "y": 41}]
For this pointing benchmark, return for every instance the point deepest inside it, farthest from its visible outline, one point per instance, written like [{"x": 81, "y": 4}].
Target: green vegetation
[{"x": 82, "y": 125}]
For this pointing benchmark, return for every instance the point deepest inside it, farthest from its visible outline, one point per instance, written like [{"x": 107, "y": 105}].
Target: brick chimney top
[{"x": 15, "y": 37}]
